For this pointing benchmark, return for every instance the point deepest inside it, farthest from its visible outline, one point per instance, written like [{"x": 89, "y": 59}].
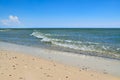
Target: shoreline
[
  {"x": 97, "y": 64},
  {"x": 67, "y": 42}
]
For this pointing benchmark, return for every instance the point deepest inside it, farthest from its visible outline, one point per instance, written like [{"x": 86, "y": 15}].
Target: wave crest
[
  {"x": 78, "y": 45},
  {"x": 4, "y": 30}
]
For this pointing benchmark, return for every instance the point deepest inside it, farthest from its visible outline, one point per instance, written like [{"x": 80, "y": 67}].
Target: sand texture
[{"x": 19, "y": 66}]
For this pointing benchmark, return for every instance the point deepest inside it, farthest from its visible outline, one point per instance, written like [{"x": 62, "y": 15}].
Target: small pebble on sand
[
  {"x": 41, "y": 68},
  {"x": 33, "y": 59},
  {"x": 20, "y": 77},
  {"x": 13, "y": 66},
  {"x": 91, "y": 74},
  {"x": 49, "y": 75},
  {"x": 66, "y": 76},
  {"x": 54, "y": 65}
]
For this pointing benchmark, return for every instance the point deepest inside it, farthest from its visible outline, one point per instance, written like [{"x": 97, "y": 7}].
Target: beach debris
[
  {"x": 54, "y": 65},
  {"x": 104, "y": 72},
  {"x": 15, "y": 57},
  {"x": 10, "y": 75},
  {"x": 91, "y": 75},
  {"x": 13, "y": 66},
  {"x": 49, "y": 75},
  {"x": 84, "y": 68},
  {"x": 41, "y": 68},
  {"x": 33, "y": 59},
  {"x": 20, "y": 77},
  {"x": 16, "y": 64},
  {"x": 80, "y": 70},
  {"x": 66, "y": 77}
]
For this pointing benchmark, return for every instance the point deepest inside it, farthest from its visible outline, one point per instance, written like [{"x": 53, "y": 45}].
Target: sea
[{"x": 100, "y": 42}]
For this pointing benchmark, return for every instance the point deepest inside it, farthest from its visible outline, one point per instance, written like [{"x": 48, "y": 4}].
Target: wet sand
[
  {"x": 18, "y": 66},
  {"x": 99, "y": 64}
]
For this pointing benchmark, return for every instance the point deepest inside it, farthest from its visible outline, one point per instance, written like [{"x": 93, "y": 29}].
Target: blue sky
[{"x": 59, "y": 13}]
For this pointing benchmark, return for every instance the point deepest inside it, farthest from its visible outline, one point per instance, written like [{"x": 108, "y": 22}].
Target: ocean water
[{"x": 94, "y": 42}]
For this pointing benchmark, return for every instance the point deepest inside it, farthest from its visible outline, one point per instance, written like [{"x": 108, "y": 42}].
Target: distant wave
[
  {"x": 78, "y": 45},
  {"x": 4, "y": 30}
]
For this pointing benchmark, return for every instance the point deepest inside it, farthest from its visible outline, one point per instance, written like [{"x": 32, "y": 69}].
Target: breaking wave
[{"x": 77, "y": 45}]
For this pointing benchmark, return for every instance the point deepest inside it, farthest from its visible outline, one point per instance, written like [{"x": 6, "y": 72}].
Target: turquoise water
[{"x": 96, "y": 42}]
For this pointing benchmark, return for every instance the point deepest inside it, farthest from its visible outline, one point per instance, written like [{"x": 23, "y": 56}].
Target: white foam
[
  {"x": 4, "y": 30},
  {"x": 41, "y": 36},
  {"x": 118, "y": 48},
  {"x": 78, "y": 45},
  {"x": 46, "y": 40},
  {"x": 38, "y": 35},
  {"x": 64, "y": 43}
]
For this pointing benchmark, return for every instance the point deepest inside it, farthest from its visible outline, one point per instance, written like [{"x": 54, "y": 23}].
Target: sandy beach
[
  {"x": 18, "y": 66},
  {"x": 60, "y": 40}
]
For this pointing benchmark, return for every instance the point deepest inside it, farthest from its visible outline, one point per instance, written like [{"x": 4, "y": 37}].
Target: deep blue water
[{"x": 98, "y": 42}]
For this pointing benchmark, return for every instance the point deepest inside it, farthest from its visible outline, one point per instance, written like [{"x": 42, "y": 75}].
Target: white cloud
[{"x": 11, "y": 21}]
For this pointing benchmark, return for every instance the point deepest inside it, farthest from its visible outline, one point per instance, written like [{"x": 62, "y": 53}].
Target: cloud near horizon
[{"x": 11, "y": 21}]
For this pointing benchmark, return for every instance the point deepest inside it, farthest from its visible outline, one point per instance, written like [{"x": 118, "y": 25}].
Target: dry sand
[{"x": 18, "y": 66}]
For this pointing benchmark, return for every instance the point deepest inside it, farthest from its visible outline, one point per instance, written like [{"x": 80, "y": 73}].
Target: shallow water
[{"x": 96, "y": 42}]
